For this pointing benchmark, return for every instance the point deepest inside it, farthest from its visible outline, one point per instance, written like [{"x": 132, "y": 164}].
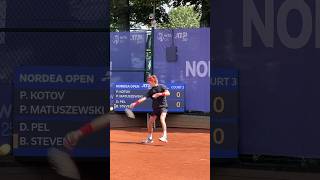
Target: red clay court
[{"x": 185, "y": 156}]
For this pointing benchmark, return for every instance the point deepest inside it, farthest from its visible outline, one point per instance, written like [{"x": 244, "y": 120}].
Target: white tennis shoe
[
  {"x": 164, "y": 139},
  {"x": 147, "y": 141}
]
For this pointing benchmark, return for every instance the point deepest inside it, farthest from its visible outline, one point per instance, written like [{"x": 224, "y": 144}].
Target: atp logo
[
  {"x": 163, "y": 37},
  {"x": 182, "y": 35},
  {"x": 146, "y": 86},
  {"x": 116, "y": 39},
  {"x": 160, "y": 36},
  {"x": 137, "y": 37}
]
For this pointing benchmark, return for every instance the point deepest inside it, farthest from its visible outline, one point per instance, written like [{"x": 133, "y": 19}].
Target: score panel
[
  {"x": 125, "y": 93},
  {"x": 224, "y": 113},
  {"x": 51, "y": 101}
]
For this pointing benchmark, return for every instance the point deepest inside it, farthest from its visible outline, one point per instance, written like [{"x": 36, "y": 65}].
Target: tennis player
[{"x": 157, "y": 93}]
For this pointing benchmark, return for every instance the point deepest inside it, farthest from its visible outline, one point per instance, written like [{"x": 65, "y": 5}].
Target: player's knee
[
  {"x": 152, "y": 118},
  {"x": 163, "y": 119}
]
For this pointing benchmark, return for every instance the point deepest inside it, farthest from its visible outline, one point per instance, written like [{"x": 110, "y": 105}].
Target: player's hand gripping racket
[{"x": 129, "y": 113}]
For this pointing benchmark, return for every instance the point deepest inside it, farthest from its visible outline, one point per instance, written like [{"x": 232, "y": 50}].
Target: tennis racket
[
  {"x": 61, "y": 160},
  {"x": 62, "y": 163},
  {"x": 129, "y": 113}
]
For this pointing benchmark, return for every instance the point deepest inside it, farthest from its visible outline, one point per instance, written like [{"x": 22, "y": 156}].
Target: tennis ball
[
  {"x": 5, "y": 149},
  {"x": 111, "y": 108}
]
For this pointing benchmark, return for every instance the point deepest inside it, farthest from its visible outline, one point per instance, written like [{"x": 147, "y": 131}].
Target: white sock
[
  {"x": 165, "y": 134},
  {"x": 149, "y": 136}
]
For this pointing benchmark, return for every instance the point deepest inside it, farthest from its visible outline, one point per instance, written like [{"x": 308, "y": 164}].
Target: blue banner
[
  {"x": 127, "y": 56},
  {"x": 127, "y": 50},
  {"x": 275, "y": 45},
  {"x": 192, "y": 66}
]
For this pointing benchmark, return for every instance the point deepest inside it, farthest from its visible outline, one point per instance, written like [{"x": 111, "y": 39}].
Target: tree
[
  {"x": 201, "y": 6},
  {"x": 141, "y": 9},
  {"x": 128, "y": 13},
  {"x": 183, "y": 17},
  {"x": 119, "y": 15}
]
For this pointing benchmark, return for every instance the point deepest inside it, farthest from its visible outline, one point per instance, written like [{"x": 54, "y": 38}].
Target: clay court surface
[{"x": 185, "y": 156}]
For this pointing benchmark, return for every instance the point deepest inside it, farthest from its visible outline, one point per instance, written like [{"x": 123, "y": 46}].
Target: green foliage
[
  {"x": 128, "y": 13},
  {"x": 201, "y": 6},
  {"x": 141, "y": 9},
  {"x": 119, "y": 15},
  {"x": 183, "y": 17}
]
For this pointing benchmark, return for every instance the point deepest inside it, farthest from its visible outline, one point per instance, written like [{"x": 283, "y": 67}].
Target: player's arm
[
  {"x": 72, "y": 138},
  {"x": 165, "y": 93},
  {"x": 137, "y": 102}
]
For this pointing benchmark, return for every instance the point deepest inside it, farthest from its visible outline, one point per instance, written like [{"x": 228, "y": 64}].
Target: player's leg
[
  {"x": 150, "y": 128},
  {"x": 163, "y": 116}
]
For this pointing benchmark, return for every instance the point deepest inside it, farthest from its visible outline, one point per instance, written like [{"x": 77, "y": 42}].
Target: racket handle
[{"x": 136, "y": 103}]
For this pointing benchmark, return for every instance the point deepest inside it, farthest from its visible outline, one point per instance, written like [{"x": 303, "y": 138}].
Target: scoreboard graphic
[
  {"x": 224, "y": 113},
  {"x": 51, "y": 101},
  {"x": 125, "y": 93}
]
